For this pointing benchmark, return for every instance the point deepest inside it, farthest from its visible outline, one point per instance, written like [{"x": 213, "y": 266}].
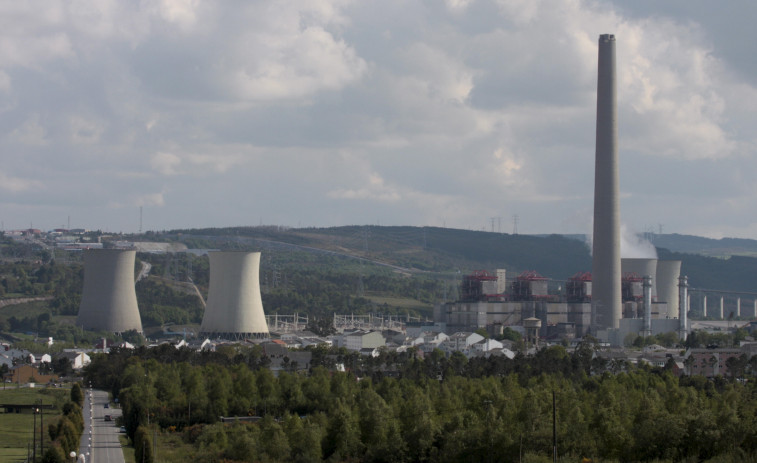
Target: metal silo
[
  {"x": 235, "y": 308},
  {"x": 109, "y": 301}
]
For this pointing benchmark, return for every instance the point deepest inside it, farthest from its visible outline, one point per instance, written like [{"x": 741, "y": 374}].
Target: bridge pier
[{"x": 722, "y": 317}]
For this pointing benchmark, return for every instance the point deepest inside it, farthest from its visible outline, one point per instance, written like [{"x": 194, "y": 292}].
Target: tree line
[{"x": 405, "y": 408}]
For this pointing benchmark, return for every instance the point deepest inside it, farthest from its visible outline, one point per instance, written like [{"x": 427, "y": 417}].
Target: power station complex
[
  {"x": 651, "y": 291},
  {"x": 618, "y": 297}
]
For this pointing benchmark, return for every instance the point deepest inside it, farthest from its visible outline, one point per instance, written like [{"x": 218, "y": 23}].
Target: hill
[
  {"x": 436, "y": 252},
  {"x": 411, "y": 249},
  {"x": 724, "y": 247}
]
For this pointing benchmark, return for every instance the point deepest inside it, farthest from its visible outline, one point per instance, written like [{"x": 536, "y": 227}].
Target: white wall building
[{"x": 360, "y": 339}]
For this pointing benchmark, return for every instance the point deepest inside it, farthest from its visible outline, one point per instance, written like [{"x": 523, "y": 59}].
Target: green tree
[
  {"x": 54, "y": 454},
  {"x": 77, "y": 396},
  {"x": 342, "y": 440},
  {"x": 143, "y": 446}
]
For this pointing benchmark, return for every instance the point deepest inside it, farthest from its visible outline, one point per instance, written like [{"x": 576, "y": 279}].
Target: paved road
[{"x": 100, "y": 438}]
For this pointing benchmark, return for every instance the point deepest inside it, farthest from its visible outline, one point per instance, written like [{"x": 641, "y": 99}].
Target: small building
[
  {"x": 24, "y": 374},
  {"x": 360, "y": 339},
  {"x": 709, "y": 362},
  {"x": 78, "y": 360}
]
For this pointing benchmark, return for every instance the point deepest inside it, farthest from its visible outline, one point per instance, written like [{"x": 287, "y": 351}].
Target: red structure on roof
[{"x": 473, "y": 286}]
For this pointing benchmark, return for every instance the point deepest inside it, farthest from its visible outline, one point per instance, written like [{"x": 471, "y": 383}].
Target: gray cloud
[{"x": 339, "y": 112}]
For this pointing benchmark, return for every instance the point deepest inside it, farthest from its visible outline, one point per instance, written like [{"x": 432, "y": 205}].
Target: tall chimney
[{"x": 606, "y": 276}]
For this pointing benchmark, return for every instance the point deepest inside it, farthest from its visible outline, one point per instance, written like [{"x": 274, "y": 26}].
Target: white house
[
  {"x": 77, "y": 360},
  {"x": 486, "y": 345},
  {"x": 433, "y": 341},
  {"x": 461, "y": 342}
]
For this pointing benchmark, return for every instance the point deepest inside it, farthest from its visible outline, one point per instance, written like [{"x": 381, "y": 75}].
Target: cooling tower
[
  {"x": 108, "y": 300},
  {"x": 606, "y": 276},
  {"x": 668, "y": 272},
  {"x": 642, "y": 267},
  {"x": 234, "y": 309}
]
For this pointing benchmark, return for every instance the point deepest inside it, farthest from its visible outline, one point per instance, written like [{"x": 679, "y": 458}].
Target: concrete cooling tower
[
  {"x": 109, "y": 301},
  {"x": 606, "y": 276},
  {"x": 668, "y": 272},
  {"x": 235, "y": 308}
]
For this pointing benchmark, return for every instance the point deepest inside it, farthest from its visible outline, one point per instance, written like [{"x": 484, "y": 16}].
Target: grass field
[
  {"x": 28, "y": 309},
  {"x": 16, "y": 428},
  {"x": 402, "y": 303}
]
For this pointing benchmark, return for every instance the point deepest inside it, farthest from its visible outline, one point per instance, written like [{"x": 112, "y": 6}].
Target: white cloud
[
  {"x": 165, "y": 163},
  {"x": 5, "y": 82},
  {"x": 84, "y": 130},
  {"x": 374, "y": 190},
  {"x": 31, "y": 132},
  {"x": 180, "y": 12},
  {"x": 293, "y": 65},
  {"x": 17, "y": 185}
]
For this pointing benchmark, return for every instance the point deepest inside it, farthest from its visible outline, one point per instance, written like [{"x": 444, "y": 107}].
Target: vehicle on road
[{"x": 108, "y": 418}]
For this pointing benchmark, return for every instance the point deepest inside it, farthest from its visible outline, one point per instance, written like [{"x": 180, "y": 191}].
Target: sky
[{"x": 470, "y": 114}]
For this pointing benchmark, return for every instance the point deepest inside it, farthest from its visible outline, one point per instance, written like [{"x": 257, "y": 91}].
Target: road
[{"x": 100, "y": 438}]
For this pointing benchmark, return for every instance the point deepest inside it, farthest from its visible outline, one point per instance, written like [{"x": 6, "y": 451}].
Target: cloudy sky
[{"x": 386, "y": 112}]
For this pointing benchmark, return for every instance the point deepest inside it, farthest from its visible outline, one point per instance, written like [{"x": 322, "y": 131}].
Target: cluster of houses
[
  {"x": 23, "y": 367},
  {"x": 286, "y": 352}
]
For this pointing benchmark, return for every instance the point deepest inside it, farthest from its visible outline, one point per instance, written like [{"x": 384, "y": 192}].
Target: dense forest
[{"x": 400, "y": 407}]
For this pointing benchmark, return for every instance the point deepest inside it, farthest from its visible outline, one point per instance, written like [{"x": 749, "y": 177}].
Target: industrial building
[
  {"x": 109, "y": 301},
  {"x": 235, "y": 308},
  {"x": 564, "y": 308}
]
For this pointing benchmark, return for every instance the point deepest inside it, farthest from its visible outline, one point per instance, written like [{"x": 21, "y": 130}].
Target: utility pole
[
  {"x": 41, "y": 429},
  {"x": 554, "y": 429}
]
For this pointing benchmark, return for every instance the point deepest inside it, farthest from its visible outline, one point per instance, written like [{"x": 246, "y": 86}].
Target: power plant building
[
  {"x": 564, "y": 307},
  {"x": 235, "y": 308},
  {"x": 109, "y": 300}
]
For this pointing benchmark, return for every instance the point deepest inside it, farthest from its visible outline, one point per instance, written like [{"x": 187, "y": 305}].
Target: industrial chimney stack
[{"x": 606, "y": 299}]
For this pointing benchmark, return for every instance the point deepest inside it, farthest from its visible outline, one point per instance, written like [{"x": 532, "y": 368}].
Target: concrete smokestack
[
  {"x": 235, "y": 307},
  {"x": 108, "y": 300},
  {"x": 606, "y": 276}
]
